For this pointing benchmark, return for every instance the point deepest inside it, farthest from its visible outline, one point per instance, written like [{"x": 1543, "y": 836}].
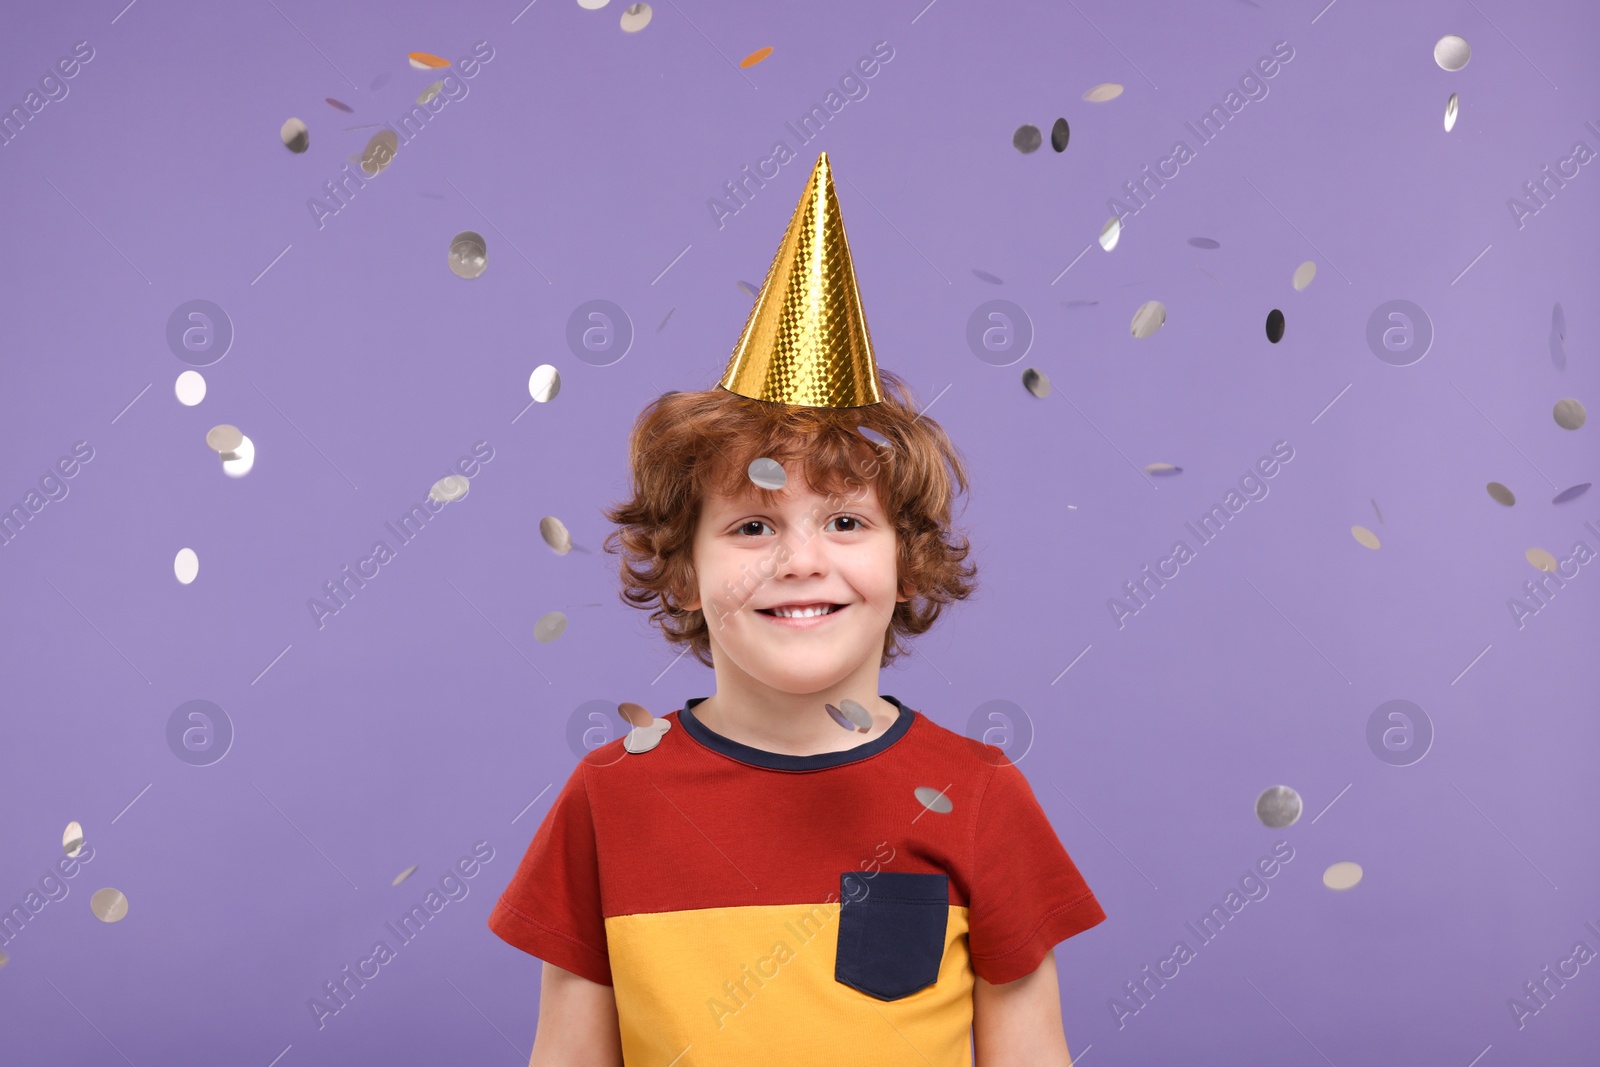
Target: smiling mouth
[{"x": 833, "y": 609}]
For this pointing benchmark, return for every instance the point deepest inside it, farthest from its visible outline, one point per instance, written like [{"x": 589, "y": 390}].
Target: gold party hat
[{"x": 806, "y": 340}]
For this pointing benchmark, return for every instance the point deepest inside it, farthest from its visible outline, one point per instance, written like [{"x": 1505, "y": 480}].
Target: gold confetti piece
[
  {"x": 224, "y": 438},
  {"x": 108, "y": 905},
  {"x": 1569, "y": 413},
  {"x": 403, "y": 875},
  {"x": 1345, "y": 874},
  {"x": 755, "y": 57},
  {"x": 1541, "y": 559},
  {"x": 550, "y": 626},
  {"x": 426, "y": 61},
  {"x": 635, "y": 18},
  {"x": 1364, "y": 536}
]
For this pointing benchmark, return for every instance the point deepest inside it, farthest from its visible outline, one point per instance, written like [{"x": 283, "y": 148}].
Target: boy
[{"x": 797, "y": 869}]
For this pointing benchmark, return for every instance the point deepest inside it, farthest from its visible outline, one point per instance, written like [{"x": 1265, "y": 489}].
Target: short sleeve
[
  {"x": 1027, "y": 894},
  {"x": 552, "y": 909}
]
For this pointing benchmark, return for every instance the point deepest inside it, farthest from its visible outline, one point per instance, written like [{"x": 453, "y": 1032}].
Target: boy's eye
[{"x": 744, "y": 528}]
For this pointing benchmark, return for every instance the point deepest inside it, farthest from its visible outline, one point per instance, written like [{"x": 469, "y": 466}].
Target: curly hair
[{"x": 686, "y": 443}]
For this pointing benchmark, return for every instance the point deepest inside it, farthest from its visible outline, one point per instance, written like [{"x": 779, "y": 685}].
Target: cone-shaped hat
[{"x": 806, "y": 339}]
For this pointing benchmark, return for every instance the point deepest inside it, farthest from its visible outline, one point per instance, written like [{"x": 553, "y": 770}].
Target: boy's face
[{"x": 807, "y": 547}]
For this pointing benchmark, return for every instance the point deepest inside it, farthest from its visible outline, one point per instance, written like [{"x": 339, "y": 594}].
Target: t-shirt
[{"x": 757, "y": 908}]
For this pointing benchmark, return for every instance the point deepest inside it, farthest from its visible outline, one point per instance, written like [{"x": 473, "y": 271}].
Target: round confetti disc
[{"x": 224, "y": 438}]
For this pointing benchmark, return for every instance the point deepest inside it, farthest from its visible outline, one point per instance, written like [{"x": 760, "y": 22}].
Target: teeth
[{"x": 802, "y": 613}]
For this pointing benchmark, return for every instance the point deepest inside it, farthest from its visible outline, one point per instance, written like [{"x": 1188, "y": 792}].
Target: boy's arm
[
  {"x": 577, "y": 1022},
  {"x": 1018, "y": 1024}
]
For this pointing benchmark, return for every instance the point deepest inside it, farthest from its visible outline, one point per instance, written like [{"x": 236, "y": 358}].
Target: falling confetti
[
  {"x": 1303, "y": 275},
  {"x": 468, "y": 256},
  {"x": 635, "y": 714},
  {"x": 426, "y": 61},
  {"x": 186, "y": 566},
  {"x": 1452, "y": 52},
  {"x": 340, "y": 104},
  {"x": 755, "y": 57},
  {"x": 379, "y": 152},
  {"x": 551, "y": 625},
  {"x": 450, "y": 488},
  {"x": 544, "y": 383},
  {"x": 296, "y": 138},
  {"x": 1365, "y": 537},
  {"x": 1501, "y": 495},
  {"x": 224, "y": 438},
  {"x": 190, "y": 388},
  {"x": 1570, "y": 493},
  {"x": 555, "y": 534},
  {"x": 1027, "y": 138},
  {"x": 1274, "y": 325},
  {"x": 1110, "y": 232},
  {"x": 1569, "y": 413},
  {"x": 644, "y": 738},
  {"x": 240, "y": 461},
  {"x": 1541, "y": 559},
  {"x": 1278, "y": 806},
  {"x": 1103, "y": 92},
  {"x": 1451, "y": 108},
  {"x": 108, "y": 905},
  {"x": 72, "y": 838},
  {"x": 1345, "y": 874},
  {"x": 1165, "y": 470},
  {"x": 1035, "y": 382},
  {"x": 636, "y": 18},
  {"x": 767, "y": 473},
  {"x": 985, "y": 276},
  {"x": 1150, "y": 317},
  {"x": 933, "y": 799},
  {"x": 1059, "y": 134},
  {"x": 1204, "y": 242}
]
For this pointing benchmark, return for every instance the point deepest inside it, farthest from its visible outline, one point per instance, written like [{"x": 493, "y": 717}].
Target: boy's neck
[{"x": 790, "y": 723}]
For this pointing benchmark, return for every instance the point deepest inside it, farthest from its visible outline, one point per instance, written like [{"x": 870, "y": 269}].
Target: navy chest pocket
[{"x": 891, "y": 932}]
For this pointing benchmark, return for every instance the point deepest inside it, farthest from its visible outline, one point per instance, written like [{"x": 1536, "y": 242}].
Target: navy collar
[{"x": 780, "y": 761}]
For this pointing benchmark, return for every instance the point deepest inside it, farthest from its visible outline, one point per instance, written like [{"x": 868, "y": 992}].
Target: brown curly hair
[{"x": 684, "y": 444}]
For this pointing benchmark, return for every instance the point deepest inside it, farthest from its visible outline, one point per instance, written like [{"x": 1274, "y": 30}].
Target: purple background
[{"x": 424, "y": 717}]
